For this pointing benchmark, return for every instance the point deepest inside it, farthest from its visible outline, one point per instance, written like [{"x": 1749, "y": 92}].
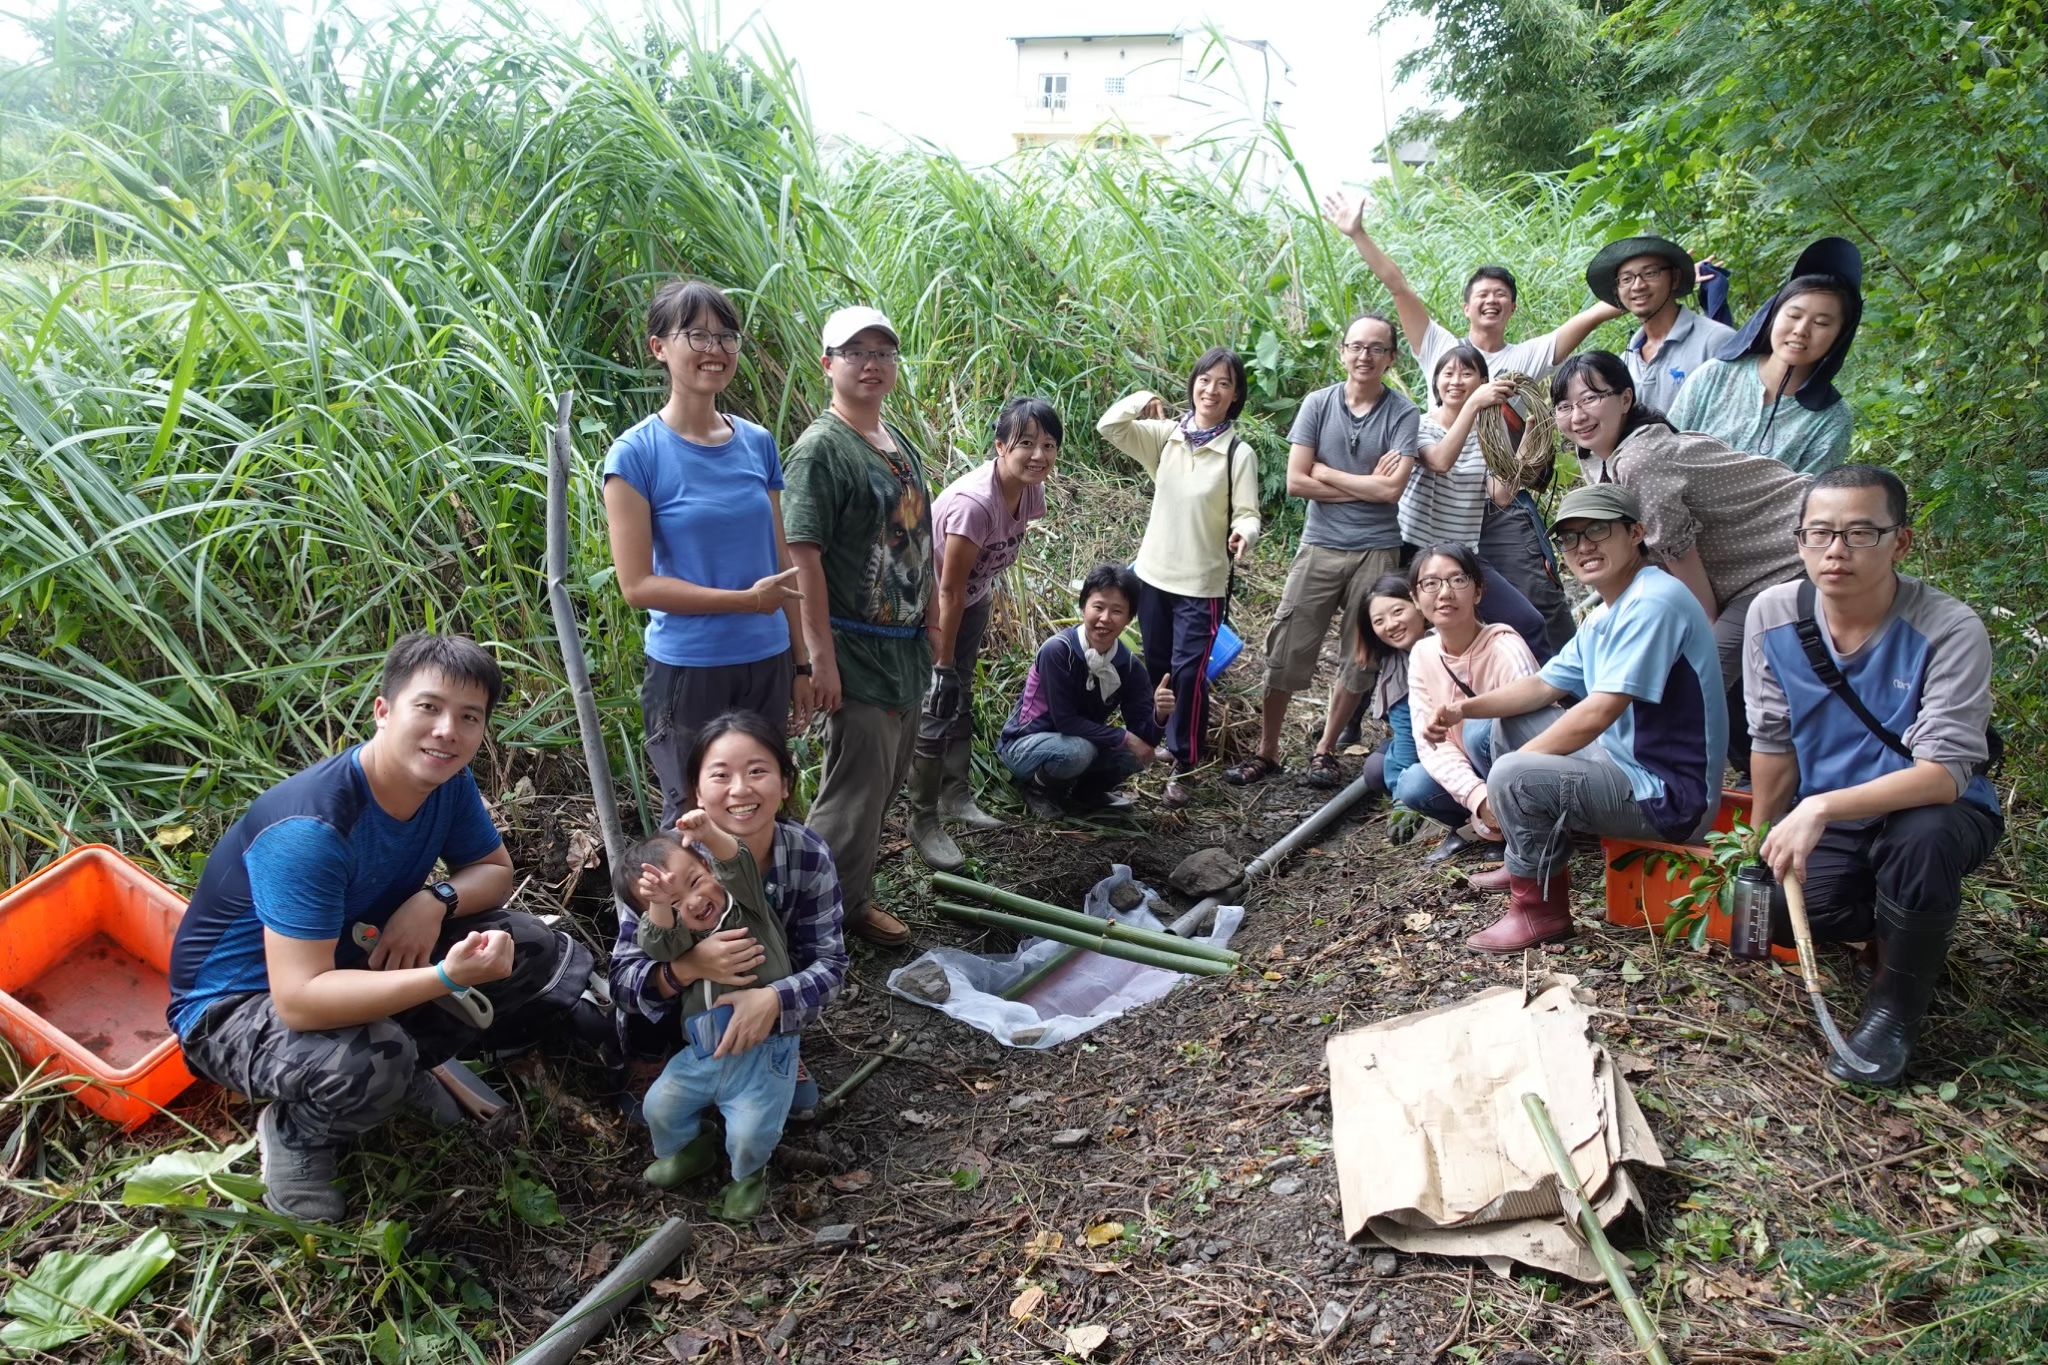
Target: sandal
[
  {"x": 1324, "y": 772},
  {"x": 1257, "y": 768}
]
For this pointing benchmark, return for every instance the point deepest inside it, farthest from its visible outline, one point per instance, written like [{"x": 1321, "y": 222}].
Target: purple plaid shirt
[{"x": 803, "y": 888}]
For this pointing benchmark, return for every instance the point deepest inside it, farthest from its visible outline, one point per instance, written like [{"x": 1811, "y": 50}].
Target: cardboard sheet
[{"x": 1435, "y": 1152}]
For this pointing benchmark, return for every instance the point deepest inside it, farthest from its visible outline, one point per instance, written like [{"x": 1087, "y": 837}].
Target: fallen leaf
[
  {"x": 1635, "y": 1064},
  {"x": 1102, "y": 1234},
  {"x": 596, "y": 1261},
  {"x": 586, "y": 847},
  {"x": 984, "y": 1085},
  {"x": 1631, "y": 973},
  {"x": 1043, "y": 1244},
  {"x": 170, "y": 836},
  {"x": 1418, "y": 921},
  {"x": 687, "y": 1346},
  {"x": 1274, "y": 976},
  {"x": 917, "y": 1118},
  {"x": 1899, "y": 1129},
  {"x": 1277, "y": 953},
  {"x": 847, "y": 1182},
  {"x": 2040, "y": 1135},
  {"x": 1026, "y": 1303},
  {"x": 689, "y": 1291},
  {"x": 1356, "y": 751},
  {"x": 1084, "y": 1339},
  {"x": 1116, "y": 1131},
  {"x": 952, "y": 1294}
]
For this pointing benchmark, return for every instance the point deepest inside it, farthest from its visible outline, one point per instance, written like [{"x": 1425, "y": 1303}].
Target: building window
[
  {"x": 1052, "y": 91},
  {"x": 1112, "y": 85}
]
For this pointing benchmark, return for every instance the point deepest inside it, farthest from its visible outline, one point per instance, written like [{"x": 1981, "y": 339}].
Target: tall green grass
[{"x": 279, "y": 323}]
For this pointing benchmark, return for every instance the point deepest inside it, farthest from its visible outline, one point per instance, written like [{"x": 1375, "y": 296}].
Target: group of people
[{"x": 349, "y": 933}]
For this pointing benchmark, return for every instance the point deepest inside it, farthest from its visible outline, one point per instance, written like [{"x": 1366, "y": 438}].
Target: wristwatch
[
  {"x": 444, "y": 892},
  {"x": 803, "y": 670}
]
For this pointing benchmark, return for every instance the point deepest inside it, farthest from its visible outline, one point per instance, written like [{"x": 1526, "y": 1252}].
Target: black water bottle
[{"x": 1749, "y": 913}]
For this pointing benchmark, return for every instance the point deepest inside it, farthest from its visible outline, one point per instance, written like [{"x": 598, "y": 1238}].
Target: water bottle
[{"x": 1749, "y": 914}]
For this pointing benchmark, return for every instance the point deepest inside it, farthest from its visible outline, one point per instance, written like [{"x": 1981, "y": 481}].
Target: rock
[
  {"x": 1286, "y": 1185},
  {"x": 1127, "y": 896},
  {"x": 836, "y": 1235},
  {"x": 1070, "y": 1137},
  {"x": 1333, "y": 1319},
  {"x": 1219, "y": 1346},
  {"x": 1019, "y": 1103},
  {"x": 1026, "y": 1036},
  {"x": 1211, "y": 1250},
  {"x": 925, "y": 980},
  {"x": 1206, "y": 872},
  {"x": 1283, "y": 1163},
  {"x": 1381, "y": 1332},
  {"x": 1384, "y": 1263}
]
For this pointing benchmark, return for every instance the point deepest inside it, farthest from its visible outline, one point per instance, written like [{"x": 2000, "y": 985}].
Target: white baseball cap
[{"x": 848, "y": 323}]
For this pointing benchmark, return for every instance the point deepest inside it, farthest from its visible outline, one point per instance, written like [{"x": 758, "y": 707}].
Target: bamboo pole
[
  {"x": 1576, "y": 1203},
  {"x": 567, "y": 1335},
  {"x": 1043, "y": 970},
  {"x": 861, "y": 1073},
  {"x": 588, "y": 722},
  {"x": 1074, "y": 919},
  {"x": 1129, "y": 952}
]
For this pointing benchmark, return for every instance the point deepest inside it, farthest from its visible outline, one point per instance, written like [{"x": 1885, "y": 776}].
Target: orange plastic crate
[
  {"x": 1640, "y": 894},
  {"x": 85, "y": 953}
]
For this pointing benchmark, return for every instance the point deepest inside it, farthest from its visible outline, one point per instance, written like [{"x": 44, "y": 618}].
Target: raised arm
[
  {"x": 1347, "y": 214},
  {"x": 1577, "y": 328},
  {"x": 1137, "y": 425}
]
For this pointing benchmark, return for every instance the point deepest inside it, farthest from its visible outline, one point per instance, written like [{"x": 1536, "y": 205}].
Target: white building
[{"x": 1173, "y": 89}]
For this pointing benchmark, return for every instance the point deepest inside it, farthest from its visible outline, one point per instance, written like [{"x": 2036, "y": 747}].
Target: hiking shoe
[
  {"x": 426, "y": 1094},
  {"x": 697, "y": 1156},
  {"x": 742, "y": 1200},
  {"x": 804, "y": 1107},
  {"x": 1040, "y": 799},
  {"x": 298, "y": 1182}
]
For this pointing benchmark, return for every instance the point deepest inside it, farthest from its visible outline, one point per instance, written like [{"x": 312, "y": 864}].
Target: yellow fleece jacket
[{"x": 1186, "y": 549}]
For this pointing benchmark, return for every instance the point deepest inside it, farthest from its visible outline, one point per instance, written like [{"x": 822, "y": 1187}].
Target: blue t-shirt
[
  {"x": 1655, "y": 644},
  {"x": 314, "y": 856},
  {"x": 713, "y": 526}
]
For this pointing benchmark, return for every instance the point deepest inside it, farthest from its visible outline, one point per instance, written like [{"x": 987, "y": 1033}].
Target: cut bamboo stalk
[
  {"x": 1043, "y": 970},
  {"x": 1074, "y": 919},
  {"x": 1094, "y": 942}
]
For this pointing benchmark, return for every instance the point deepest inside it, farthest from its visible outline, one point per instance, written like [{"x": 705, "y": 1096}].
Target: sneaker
[
  {"x": 1042, "y": 801},
  {"x": 1107, "y": 802},
  {"x": 298, "y": 1182},
  {"x": 804, "y": 1107},
  {"x": 742, "y": 1200},
  {"x": 426, "y": 1094}
]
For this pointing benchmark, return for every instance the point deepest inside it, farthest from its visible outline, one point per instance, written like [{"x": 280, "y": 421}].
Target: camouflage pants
[{"x": 332, "y": 1084}]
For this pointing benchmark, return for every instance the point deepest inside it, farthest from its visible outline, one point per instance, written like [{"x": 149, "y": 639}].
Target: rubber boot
[
  {"x": 933, "y": 844},
  {"x": 697, "y": 1156},
  {"x": 956, "y": 790},
  {"x": 1538, "y": 911},
  {"x": 742, "y": 1200},
  {"x": 1911, "y": 949}
]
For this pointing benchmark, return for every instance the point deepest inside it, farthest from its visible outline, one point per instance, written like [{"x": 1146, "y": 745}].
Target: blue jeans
[
  {"x": 1057, "y": 758},
  {"x": 1420, "y": 792},
  {"x": 752, "y": 1090}
]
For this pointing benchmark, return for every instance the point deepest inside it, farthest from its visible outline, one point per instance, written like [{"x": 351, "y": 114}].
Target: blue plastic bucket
[{"x": 1225, "y": 651}]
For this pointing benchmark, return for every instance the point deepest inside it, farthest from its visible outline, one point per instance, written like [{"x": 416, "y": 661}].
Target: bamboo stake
[
  {"x": 861, "y": 1073},
  {"x": 1044, "y": 969},
  {"x": 1087, "y": 924},
  {"x": 1129, "y": 952},
  {"x": 1575, "y": 1202}
]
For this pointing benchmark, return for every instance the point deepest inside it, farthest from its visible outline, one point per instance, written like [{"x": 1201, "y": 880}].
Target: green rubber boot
[
  {"x": 697, "y": 1156},
  {"x": 956, "y": 791},
  {"x": 927, "y": 835},
  {"x": 742, "y": 1200}
]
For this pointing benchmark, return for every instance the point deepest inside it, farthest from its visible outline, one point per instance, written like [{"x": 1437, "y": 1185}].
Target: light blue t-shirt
[
  {"x": 713, "y": 526},
  {"x": 1655, "y": 644}
]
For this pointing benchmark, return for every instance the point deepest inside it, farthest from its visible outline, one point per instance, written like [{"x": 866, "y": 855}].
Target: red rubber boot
[{"x": 1537, "y": 913}]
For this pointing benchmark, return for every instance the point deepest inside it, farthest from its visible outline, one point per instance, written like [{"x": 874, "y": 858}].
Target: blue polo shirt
[
  {"x": 314, "y": 856},
  {"x": 1655, "y": 645}
]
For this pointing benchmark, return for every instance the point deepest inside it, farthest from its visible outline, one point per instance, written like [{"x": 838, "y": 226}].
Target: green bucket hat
[{"x": 1607, "y": 264}]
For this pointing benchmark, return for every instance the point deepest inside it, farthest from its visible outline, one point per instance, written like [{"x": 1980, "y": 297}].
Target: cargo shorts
[{"x": 1321, "y": 584}]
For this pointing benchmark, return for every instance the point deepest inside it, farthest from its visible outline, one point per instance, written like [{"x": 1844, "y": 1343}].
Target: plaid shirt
[{"x": 803, "y": 888}]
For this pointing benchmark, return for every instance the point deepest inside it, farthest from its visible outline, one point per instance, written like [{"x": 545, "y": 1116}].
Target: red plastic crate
[
  {"x": 1640, "y": 894},
  {"x": 85, "y": 952}
]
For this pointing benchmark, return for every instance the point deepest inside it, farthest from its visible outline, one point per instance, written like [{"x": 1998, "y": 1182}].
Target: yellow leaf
[
  {"x": 1102, "y": 1234},
  {"x": 170, "y": 836},
  {"x": 1418, "y": 921},
  {"x": 1084, "y": 1339},
  {"x": 1026, "y": 1303},
  {"x": 1043, "y": 1244}
]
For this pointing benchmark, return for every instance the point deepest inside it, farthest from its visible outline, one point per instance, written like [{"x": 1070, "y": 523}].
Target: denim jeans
[
  {"x": 752, "y": 1090},
  {"x": 1420, "y": 792},
  {"x": 1055, "y": 757}
]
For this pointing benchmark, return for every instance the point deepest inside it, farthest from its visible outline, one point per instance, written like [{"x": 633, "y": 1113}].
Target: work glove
[{"x": 942, "y": 699}]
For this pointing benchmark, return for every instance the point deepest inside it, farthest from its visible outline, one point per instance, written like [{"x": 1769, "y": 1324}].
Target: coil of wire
[{"x": 1503, "y": 460}]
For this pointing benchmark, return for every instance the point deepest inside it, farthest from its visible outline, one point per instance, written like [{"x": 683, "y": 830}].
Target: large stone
[
  {"x": 1206, "y": 872},
  {"x": 927, "y": 981}
]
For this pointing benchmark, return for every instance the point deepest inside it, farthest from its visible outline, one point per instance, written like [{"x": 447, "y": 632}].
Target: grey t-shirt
[{"x": 1354, "y": 445}]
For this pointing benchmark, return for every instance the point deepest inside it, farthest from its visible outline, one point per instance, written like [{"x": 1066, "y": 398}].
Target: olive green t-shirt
[
  {"x": 870, "y": 516},
  {"x": 747, "y": 908}
]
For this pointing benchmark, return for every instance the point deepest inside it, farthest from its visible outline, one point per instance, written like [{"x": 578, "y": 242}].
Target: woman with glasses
[
  {"x": 1719, "y": 521},
  {"x": 1204, "y": 522},
  {"x": 1463, "y": 656},
  {"x": 693, "y": 501}
]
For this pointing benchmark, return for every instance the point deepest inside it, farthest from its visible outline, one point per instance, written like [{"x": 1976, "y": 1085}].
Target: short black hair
[
  {"x": 1472, "y": 566},
  {"x": 1386, "y": 585},
  {"x": 455, "y": 657},
  {"x": 1498, "y": 273},
  {"x": 655, "y": 849},
  {"x": 1109, "y": 578},
  {"x": 678, "y": 301},
  {"x": 1211, "y": 358},
  {"x": 754, "y": 727},
  {"x": 1863, "y": 476},
  {"x": 1024, "y": 412},
  {"x": 1604, "y": 372},
  {"x": 1368, "y": 315},
  {"x": 1844, "y": 292}
]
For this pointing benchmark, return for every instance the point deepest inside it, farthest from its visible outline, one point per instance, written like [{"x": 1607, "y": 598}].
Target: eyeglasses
[
  {"x": 1568, "y": 408},
  {"x": 1855, "y": 537},
  {"x": 1650, "y": 276},
  {"x": 1371, "y": 348},
  {"x": 1592, "y": 533},
  {"x": 863, "y": 357},
  {"x": 1458, "y": 581},
  {"x": 701, "y": 340}
]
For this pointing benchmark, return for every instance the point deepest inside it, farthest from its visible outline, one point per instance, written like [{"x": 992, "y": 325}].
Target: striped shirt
[
  {"x": 1446, "y": 508},
  {"x": 803, "y": 889}
]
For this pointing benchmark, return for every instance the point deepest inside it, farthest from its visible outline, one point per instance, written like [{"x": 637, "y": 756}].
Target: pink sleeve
[
  {"x": 1429, "y": 686},
  {"x": 1500, "y": 657}
]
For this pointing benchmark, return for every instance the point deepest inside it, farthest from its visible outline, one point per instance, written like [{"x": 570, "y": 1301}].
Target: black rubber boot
[
  {"x": 956, "y": 788},
  {"x": 927, "y": 835},
  {"x": 1911, "y": 949}
]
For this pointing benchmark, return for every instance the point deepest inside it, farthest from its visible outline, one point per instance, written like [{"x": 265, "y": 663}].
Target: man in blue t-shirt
[
  {"x": 319, "y": 963},
  {"x": 1880, "y": 828},
  {"x": 1638, "y": 754}
]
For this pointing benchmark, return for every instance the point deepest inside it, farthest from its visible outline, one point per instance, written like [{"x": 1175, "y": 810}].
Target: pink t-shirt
[{"x": 972, "y": 507}]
